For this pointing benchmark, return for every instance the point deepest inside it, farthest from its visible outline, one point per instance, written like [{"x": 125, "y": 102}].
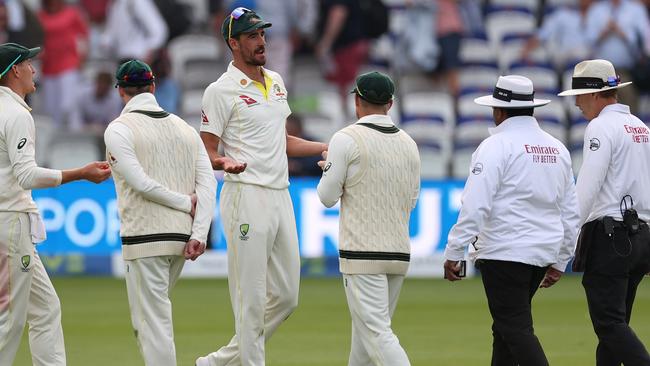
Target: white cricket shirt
[
  {"x": 616, "y": 162},
  {"x": 18, "y": 170},
  {"x": 251, "y": 125},
  {"x": 519, "y": 199}
]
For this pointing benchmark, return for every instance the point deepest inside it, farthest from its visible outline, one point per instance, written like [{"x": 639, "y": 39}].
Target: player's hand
[
  {"x": 451, "y": 270},
  {"x": 96, "y": 172},
  {"x": 193, "y": 249},
  {"x": 552, "y": 276},
  {"x": 193, "y": 202},
  {"x": 321, "y": 163},
  {"x": 231, "y": 166}
]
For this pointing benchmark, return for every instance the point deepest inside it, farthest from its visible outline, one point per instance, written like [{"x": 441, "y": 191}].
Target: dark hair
[
  {"x": 515, "y": 112},
  {"x": 132, "y": 91}
]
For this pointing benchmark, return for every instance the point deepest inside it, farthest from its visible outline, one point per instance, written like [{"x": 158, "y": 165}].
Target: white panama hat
[
  {"x": 514, "y": 92},
  {"x": 593, "y": 76}
]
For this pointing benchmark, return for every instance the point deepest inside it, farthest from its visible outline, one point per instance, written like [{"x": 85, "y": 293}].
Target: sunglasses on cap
[
  {"x": 10, "y": 65},
  {"x": 236, "y": 14}
]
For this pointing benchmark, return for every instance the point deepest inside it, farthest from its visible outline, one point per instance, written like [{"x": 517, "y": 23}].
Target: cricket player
[
  {"x": 166, "y": 195},
  {"x": 374, "y": 169},
  {"x": 26, "y": 293},
  {"x": 247, "y": 109}
]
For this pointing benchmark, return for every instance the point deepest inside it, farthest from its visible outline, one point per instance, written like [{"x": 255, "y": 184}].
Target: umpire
[
  {"x": 519, "y": 211},
  {"x": 614, "y": 245}
]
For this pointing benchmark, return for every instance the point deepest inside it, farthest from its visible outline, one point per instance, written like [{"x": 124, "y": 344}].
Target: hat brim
[
  {"x": 255, "y": 27},
  {"x": 571, "y": 92},
  {"x": 490, "y": 101},
  {"x": 32, "y": 53}
]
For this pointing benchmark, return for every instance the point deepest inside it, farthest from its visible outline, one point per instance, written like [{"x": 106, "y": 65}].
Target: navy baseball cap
[
  {"x": 241, "y": 20},
  {"x": 13, "y": 53},
  {"x": 374, "y": 87},
  {"x": 134, "y": 73}
]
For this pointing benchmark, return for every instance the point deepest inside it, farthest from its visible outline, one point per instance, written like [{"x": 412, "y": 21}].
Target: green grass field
[{"x": 438, "y": 323}]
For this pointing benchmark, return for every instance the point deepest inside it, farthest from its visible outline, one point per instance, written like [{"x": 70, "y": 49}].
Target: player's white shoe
[{"x": 202, "y": 361}]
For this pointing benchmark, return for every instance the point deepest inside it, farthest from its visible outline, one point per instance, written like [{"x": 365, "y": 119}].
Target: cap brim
[
  {"x": 490, "y": 101},
  {"x": 571, "y": 92},
  {"x": 256, "y": 26},
  {"x": 33, "y": 52}
]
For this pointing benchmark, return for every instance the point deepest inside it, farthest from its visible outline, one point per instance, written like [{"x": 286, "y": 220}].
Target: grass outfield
[{"x": 438, "y": 323}]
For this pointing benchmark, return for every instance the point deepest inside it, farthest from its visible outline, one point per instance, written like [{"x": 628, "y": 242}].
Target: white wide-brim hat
[
  {"x": 593, "y": 76},
  {"x": 514, "y": 92}
]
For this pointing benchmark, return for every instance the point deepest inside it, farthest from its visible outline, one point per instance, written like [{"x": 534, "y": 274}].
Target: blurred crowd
[{"x": 426, "y": 45}]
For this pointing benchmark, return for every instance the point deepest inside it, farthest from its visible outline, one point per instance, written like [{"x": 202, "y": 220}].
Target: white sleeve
[
  {"x": 151, "y": 19},
  {"x": 487, "y": 168},
  {"x": 215, "y": 111},
  {"x": 596, "y": 156},
  {"x": 416, "y": 180},
  {"x": 568, "y": 205},
  {"x": 22, "y": 155},
  {"x": 342, "y": 152},
  {"x": 206, "y": 194},
  {"x": 123, "y": 160}
]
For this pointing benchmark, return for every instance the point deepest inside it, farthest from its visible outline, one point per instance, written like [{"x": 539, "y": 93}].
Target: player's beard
[{"x": 255, "y": 58}]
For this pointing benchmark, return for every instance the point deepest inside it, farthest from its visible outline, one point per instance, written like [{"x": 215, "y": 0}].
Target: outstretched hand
[
  {"x": 96, "y": 172},
  {"x": 231, "y": 166}
]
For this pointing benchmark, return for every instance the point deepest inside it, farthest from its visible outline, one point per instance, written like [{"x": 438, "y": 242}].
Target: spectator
[
  {"x": 66, "y": 34},
  {"x": 563, "y": 34},
  {"x": 449, "y": 29},
  {"x": 19, "y": 24},
  {"x": 283, "y": 14},
  {"x": 168, "y": 92},
  {"x": 618, "y": 31},
  {"x": 134, "y": 30},
  {"x": 102, "y": 104},
  {"x": 342, "y": 47},
  {"x": 96, "y": 11},
  {"x": 306, "y": 166}
]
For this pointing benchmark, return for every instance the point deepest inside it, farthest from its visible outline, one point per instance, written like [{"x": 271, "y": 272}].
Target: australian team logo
[
  {"x": 477, "y": 169},
  {"x": 25, "y": 260},
  {"x": 594, "y": 144},
  {"x": 243, "y": 230},
  {"x": 279, "y": 93}
]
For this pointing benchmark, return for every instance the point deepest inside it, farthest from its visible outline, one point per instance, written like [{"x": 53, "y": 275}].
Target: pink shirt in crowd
[
  {"x": 62, "y": 30},
  {"x": 448, "y": 18}
]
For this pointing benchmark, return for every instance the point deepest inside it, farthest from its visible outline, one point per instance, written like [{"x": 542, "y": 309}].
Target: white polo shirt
[
  {"x": 616, "y": 162},
  {"x": 251, "y": 125},
  {"x": 519, "y": 199},
  {"x": 18, "y": 170}
]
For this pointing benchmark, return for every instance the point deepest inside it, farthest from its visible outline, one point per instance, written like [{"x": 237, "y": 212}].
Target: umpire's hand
[
  {"x": 552, "y": 276},
  {"x": 193, "y": 249},
  {"x": 452, "y": 269}
]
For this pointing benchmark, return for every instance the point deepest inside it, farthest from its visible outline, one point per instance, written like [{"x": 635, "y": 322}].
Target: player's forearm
[
  {"x": 297, "y": 147},
  {"x": 32, "y": 177}
]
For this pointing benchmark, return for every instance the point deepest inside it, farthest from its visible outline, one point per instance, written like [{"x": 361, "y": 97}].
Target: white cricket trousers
[
  {"x": 26, "y": 295},
  {"x": 263, "y": 268},
  {"x": 148, "y": 284},
  {"x": 372, "y": 299}
]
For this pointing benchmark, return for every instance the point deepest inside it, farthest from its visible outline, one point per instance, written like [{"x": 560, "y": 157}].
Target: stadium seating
[
  {"x": 194, "y": 57},
  {"x": 71, "y": 150},
  {"x": 500, "y": 23}
]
